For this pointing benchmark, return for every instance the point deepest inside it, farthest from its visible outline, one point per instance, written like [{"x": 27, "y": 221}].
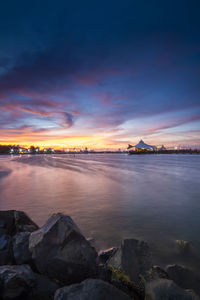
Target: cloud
[
  {"x": 173, "y": 124},
  {"x": 90, "y": 69},
  {"x": 17, "y": 111}
]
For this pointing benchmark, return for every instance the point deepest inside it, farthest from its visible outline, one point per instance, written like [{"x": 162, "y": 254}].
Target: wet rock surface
[
  {"x": 13, "y": 221},
  {"x": 58, "y": 261},
  {"x": 21, "y": 251},
  {"x": 167, "y": 290},
  {"x": 156, "y": 272},
  {"x": 183, "y": 247},
  {"x": 184, "y": 277},
  {"x": 133, "y": 257},
  {"x": 104, "y": 255},
  {"x": 6, "y": 251},
  {"x": 44, "y": 288},
  {"x": 16, "y": 281},
  {"x": 20, "y": 282},
  {"x": 90, "y": 289},
  {"x": 122, "y": 281},
  {"x": 60, "y": 251}
]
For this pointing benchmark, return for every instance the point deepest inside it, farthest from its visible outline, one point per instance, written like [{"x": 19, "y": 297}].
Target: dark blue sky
[{"x": 100, "y": 73}]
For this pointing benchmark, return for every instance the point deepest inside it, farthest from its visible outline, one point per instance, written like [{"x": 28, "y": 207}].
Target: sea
[{"x": 111, "y": 197}]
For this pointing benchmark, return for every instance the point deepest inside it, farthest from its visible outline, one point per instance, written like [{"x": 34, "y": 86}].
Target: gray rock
[
  {"x": 6, "y": 252},
  {"x": 184, "y": 277},
  {"x": 164, "y": 289},
  {"x": 60, "y": 251},
  {"x": 44, "y": 288},
  {"x": 16, "y": 281},
  {"x": 133, "y": 257},
  {"x": 92, "y": 242},
  {"x": 90, "y": 289},
  {"x": 13, "y": 221},
  {"x": 20, "y": 282},
  {"x": 21, "y": 250},
  {"x": 122, "y": 281},
  {"x": 103, "y": 273},
  {"x": 156, "y": 272},
  {"x": 104, "y": 255},
  {"x": 183, "y": 247}
]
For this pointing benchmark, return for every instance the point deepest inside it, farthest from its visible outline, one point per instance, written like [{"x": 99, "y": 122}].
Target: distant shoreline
[
  {"x": 165, "y": 152},
  {"x": 113, "y": 152}
]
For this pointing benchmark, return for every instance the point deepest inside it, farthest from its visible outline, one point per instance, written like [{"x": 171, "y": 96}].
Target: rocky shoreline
[{"x": 57, "y": 262}]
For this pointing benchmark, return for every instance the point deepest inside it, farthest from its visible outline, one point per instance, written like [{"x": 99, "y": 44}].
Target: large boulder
[
  {"x": 90, "y": 289},
  {"x": 16, "y": 281},
  {"x": 21, "y": 250},
  {"x": 133, "y": 258},
  {"x": 156, "y": 272},
  {"x": 44, "y": 288},
  {"x": 13, "y": 221},
  {"x": 6, "y": 251},
  {"x": 20, "y": 282},
  {"x": 183, "y": 247},
  {"x": 167, "y": 290},
  {"x": 60, "y": 251},
  {"x": 184, "y": 277}
]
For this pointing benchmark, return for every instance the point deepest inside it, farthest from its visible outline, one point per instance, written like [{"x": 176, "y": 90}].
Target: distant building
[
  {"x": 141, "y": 146},
  {"x": 84, "y": 150},
  {"x": 162, "y": 148},
  {"x": 23, "y": 151},
  {"x": 48, "y": 150}
]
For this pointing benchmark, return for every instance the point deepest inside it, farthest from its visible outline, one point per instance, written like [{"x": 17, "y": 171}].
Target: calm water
[{"x": 112, "y": 196}]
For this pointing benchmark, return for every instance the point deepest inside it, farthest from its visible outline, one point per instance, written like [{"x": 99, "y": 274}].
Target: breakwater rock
[{"x": 57, "y": 262}]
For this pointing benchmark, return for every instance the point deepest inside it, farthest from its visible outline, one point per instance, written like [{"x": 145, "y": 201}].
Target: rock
[
  {"x": 104, "y": 255},
  {"x": 167, "y": 290},
  {"x": 20, "y": 282},
  {"x": 44, "y": 288},
  {"x": 13, "y": 221},
  {"x": 60, "y": 251},
  {"x": 16, "y": 281},
  {"x": 183, "y": 247},
  {"x": 7, "y": 222},
  {"x": 6, "y": 252},
  {"x": 90, "y": 289},
  {"x": 103, "y": 273},
  {"x": 133, "y": 257},
  {"x": 121, "y": 280},
  {"x": 92, "y": 242},
  {"x": 21, "y": 251},
  {"x": 156, "y": 272},
  {"x": 184, "y": 277},
  {"x": 23, "y": 222}
]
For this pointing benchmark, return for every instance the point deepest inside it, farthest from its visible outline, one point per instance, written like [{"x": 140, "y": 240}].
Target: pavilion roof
[{"x": 142, "y": 145}]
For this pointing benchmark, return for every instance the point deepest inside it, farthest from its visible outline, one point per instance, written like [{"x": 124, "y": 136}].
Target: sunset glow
[{"x": 73, "y": 77}]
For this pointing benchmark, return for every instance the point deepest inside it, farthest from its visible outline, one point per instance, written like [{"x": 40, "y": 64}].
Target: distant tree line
[
  {"x": 4, "y": 149},
  {"x": 16, "y": 149},
  {"x": 13, "y": 149}
]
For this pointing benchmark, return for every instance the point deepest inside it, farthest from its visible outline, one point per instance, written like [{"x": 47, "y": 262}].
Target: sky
[{"x": 100, "y": 74}]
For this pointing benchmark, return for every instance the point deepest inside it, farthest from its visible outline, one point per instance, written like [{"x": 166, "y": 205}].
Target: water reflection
[{"x": 111, "y": 197}]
